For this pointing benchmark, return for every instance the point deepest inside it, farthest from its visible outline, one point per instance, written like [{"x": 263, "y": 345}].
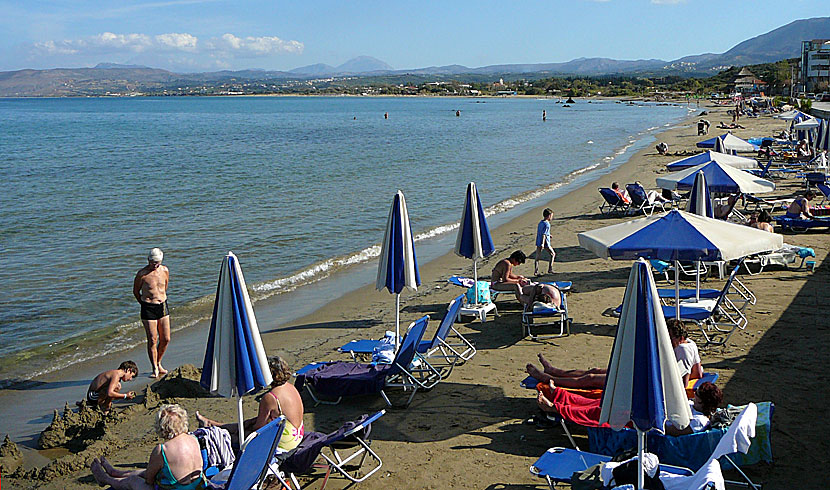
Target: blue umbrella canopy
[
  {"x": 474, "y": 240},
  {"x": 729, "y": 141},
  {"x": 719, "y": 178},
  {"x": 235, "y": 361},
  {"x": 398, "y": 266},
  {"x": 710, "y": 156},
  {"x": 719, "y": 145},
  {"x": 700, "y": 200}
]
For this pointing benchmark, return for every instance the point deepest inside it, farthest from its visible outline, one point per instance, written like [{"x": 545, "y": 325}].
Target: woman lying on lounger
[
  {"x": 685, "y": 350},
  {"x": 283, "y": 399},
  {"x": 586, "y": 411},
  {"x": 175, "y": 464}
]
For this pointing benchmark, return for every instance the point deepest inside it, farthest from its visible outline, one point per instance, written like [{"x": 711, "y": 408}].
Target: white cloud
[{"x": 222, "y": 49}]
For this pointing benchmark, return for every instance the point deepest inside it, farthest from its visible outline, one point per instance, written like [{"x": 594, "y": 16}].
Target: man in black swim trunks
[{"x": 150, "y": 290}]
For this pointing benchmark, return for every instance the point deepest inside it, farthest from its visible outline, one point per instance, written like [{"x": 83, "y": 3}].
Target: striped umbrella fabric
[
  {"x": 730, "y": 143},
  {"x": 473, "y": 240},
  {"x": 398, "y": 265},
  {"x": 235, "y": 362},
  {"x": 700, "y": 200},
  {"x": 711, "y": 156},
  {"x": 643, "y": 385},
  {"x": 719, "y": 178},
  {"x": 823, "y": 140}
]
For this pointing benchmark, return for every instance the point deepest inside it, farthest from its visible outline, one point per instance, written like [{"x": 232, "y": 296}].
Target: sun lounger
[
  {"x": 784, "y": 257},
  {"x": 467, "y": 282},
  {"x": 530, "y": 383},
  {"x": 541, "y": 315},
  {"x": 798, "y": 225},
  {"x": 329, "y": 382},
  {"x": 251, "y": 466},
  {"x": 640, "y": 200},
  {"x": 447, "y": 345},
  {"x": 734, "y": 289},
  {"x": 344, "y": 451},
  {"x": 612, "y": 202}
]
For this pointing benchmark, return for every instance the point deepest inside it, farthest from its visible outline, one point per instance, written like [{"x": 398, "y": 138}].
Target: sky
[{"x": 207, "y": 35}]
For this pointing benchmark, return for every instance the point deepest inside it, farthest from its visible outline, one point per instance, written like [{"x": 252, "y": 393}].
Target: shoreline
[
  {"x": 193, "y": 314},
  {"x": 56, "y": 385},
  {"x": 476, "y": 417}
]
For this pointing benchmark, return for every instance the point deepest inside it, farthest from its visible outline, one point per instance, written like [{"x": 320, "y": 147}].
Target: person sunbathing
[
  {"x": 801, "y": 206},
  {"x": 762, "y": 221},
  {"x": 546, "y": 295},
  {"x": 685, "y": 351},
  {"x": 175, "y": 464},
  {"x": 586, "y": 411},
  {"x": 282, "y": 399},
  {"x": 723, "y": 210}
]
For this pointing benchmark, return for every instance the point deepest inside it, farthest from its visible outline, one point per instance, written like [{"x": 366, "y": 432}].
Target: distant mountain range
[{"x": 781, "y": 43}]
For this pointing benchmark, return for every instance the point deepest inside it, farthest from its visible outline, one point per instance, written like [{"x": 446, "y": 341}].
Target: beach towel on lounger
[
  {"x": 345, "y": 378},
  {"x": 313, "y": 443}
]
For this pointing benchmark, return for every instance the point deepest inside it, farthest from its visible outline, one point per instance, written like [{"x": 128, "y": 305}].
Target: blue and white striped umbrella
[
  {"x": 643, "y": 384},
  {"x": 823, "y": 140},
  {"x": 710, "y": 156},
  {"x": 235, "y": 361},
  {"x": 719, "y": 145},
  {"x": 398, "y": 266},
  {"x": 719, "y": 178},
  {"x": 474, "y": 240},
  {"x": 700, "y": 200}
]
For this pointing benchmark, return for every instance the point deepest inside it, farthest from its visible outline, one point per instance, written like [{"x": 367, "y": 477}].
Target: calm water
[{"x": 296, "y": 187}]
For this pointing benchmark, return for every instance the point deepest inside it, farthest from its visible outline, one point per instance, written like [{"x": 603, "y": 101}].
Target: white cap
[{"x": 155, "y": 255}]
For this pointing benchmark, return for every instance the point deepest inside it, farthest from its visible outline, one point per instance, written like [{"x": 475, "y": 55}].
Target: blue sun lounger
[
  {"x": 344, "y": 451},
  {"x": 447, "y": 345},
  {"x": 329, "y": 382},
  {"x": 467, "y": 282},
  {"x": 534, "y": 316},
  {"x": 798, "y": 225},
  {"x": 251, "y": 467},
  {"x": 613, "y": 203}
]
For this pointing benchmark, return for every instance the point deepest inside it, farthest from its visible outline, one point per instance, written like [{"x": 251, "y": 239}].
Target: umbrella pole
[
  {"x": 640, "y": 474},
  {"x": 677, "y": 289},
  {"x": 697, "y": 282},
  {"x": 241, "y": 419},
  {"x": 397, "y": 321},
  {"x": 475, "y": 276}
]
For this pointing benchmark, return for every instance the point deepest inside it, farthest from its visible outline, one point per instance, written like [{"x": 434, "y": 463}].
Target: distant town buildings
[
  {"x": 748, "y": 84},
  {"x": 815, "y": 65}
]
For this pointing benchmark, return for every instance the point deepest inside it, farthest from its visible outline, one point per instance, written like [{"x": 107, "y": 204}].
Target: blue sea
[{"x": 298, "y": 187}]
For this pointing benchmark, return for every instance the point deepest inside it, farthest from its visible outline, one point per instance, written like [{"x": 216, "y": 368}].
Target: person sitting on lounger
[
  {"x": 761, "y": 221},
  {"x": 586, "y": 411},
  {"x": 723, "y": 210},
  {"x": 503, "y": 278},
  {"x": 801, "y": 206},
  {"x": 685, "y": 350},
  {"x": 283, "y": 399},
  {"x": 615, "y": 186},
  {"x": 175, "y": 464},
  {"x": 803, "y": 150}
]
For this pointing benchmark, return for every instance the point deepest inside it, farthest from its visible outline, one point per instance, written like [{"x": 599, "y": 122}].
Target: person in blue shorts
[{"x": 543, "y": 241}]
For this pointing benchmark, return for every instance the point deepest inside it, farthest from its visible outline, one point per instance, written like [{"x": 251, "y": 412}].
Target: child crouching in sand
[{"x": 106, "y": 387}]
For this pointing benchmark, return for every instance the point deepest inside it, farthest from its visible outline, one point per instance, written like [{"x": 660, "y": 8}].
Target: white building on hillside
[{"x": 815, "y": 65}]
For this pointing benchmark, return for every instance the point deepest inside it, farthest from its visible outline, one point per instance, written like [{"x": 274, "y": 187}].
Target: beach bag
[
  {"x": 479, "y": 293},
  {"x": 626, "y": 473},
  {"x": 384, "y": 352}
]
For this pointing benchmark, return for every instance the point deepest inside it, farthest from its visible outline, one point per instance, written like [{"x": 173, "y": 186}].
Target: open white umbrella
[
  {"x": 743, "y": 163},
  {"x": 643, "y": 385},
  {"x": 235, "y": 361},
  {"x": 730, "y": 142},
  {"x": 398, "y": 266},
  {"x": 719, "y": 178}
]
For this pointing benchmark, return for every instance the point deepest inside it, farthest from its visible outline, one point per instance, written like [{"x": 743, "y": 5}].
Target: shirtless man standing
[{"x": 150, "y": 290}]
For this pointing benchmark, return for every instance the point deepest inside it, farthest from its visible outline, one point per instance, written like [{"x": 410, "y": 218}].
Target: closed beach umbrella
[
  {"x": 711, "y": 156},
  {"x": 643, "y": 385},
  {"x": 730, "y": 142},
  {"x": 678, "y": 235},
  {"x": 235, "y": 361},
  {"x": 719, "y": 178},
  {"x": 719, "y": 146},
  {"x": 398, "y": 266},
  {"x": 823, "y": 139},
  {"x": 700, "y": 203},
  {"x": 474, "y": 240}
]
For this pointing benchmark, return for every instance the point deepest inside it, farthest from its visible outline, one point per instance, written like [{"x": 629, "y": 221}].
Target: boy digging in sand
[{"x": 106, "y": 386}]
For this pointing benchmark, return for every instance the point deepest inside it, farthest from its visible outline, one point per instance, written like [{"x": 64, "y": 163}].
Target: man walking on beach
[
  {"x": 150, "y": 290},
  {"x": 543, "y": 241}
]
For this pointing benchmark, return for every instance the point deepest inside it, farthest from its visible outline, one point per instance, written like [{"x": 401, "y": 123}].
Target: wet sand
[{"x": 469, "y": 431}]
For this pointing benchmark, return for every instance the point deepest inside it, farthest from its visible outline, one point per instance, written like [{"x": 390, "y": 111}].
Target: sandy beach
[{"x": 470, "y": 430}]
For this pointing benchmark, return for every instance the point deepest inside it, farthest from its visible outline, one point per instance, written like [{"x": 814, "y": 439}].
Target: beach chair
[
  {"x": 329, "y": 382},
  {"x": 612, "y": 203},
  {"x": 640, "y": 201},
  {"x": 785, "y": 256},
  {"x": 798, "y": 225},
  {"x": 447, "y": 346},
  {"x": 734, "y": 288},
  {"x": 824, "y": 189},
  {"x": 252, "y": 465},
  {"x": 714, "y": 317},
  {"x": 559, "y": 464},
  {"x": 344, "y": 451},
  {"x": 467, "y": 282},
  {"x": 534, "y": 316}
]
